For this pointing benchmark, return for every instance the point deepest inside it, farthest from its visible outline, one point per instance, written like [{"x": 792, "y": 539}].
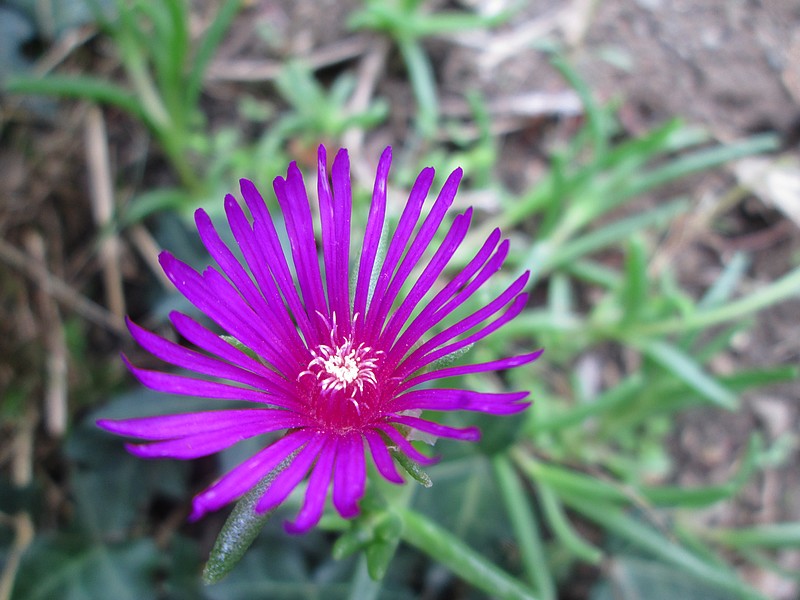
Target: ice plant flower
[{"x": 339, "y": 371}]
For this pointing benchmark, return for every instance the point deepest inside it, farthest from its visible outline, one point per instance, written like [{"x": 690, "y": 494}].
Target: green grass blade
[
  {"x": 453, "y": 553},
  {"x": 208, "y": 46},
  {"x": 777, "y": 291},
  {"x": 625, "y": 391},
  {"x": 528, "y": 532},
  {"x": 543, "y": 257},
  {"x": 685, "y": 368},
  {"x": 773, "y": 535},
  {"x": 563, "y": 529},
  {"x": 647, "y": 538},
  {"x": 701, "y": 160},
  {"x": 423, "y": 84},
  {"x": 88, "y": 88}
]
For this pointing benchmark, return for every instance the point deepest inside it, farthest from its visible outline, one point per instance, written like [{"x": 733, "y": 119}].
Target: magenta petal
[
  {"x": 422, "y": 240},
  {"x": 350, "y": 476},
  {"x": 495, "y": 365},
  {"x": 249, "y": 473},
  {"x": 372, "y": 234},
  {"x": 404, "y": 445},
  {"x": 316, "y": 492},
  {"x": 426, "y": 280},
  {"x": 214, "y": 295},
  {"x": 268, "y": 251},
  {"x": 485, "y": 263},
  {"x": 405, "y": 228},
  {"x": 452, "y": 400},
  {"x": 291, "y": 476},
  {"x": 228, "y": 262},
  {"x": 203, "y": 442},
  {"x": 382, "y": 458},
  {"x": 328, "y": 229},
  {"x": 470, "y": 434},
  {"x": 194, "y": 446},
  {"x": 343, "y": 203},
  {"x": 167, "y": 427},
  {"x": 260, "y": 261},
  {"x": 189, "y": 359},
  {"x": 292, "y": 197},
  {"x": 188, "y": 386}
]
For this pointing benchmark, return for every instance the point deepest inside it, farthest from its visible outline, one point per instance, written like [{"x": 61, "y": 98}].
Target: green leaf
[
  {"x": 242, "y": 527},
  {"x": 634, "y": 578},
  {"x": 110, "y": 486},
  {"x": 526, "y": 527},
  {"x": 412, "y": 468},
  {"x": 773, "y": 535},
  {"x": 655, "y": 543},
  {"x": 699, "y": 497},
  {"x": 89, "y": 88},
  {"x": 380, "y": 551},
  {"x": 563, "y": 529},
  {"x": 625, "y": 391},
  {"x": 701, "y": 160},
  {"x": 633, "y": 294},
  {"x": 687, "y": 370},
  {"x": 70, "y": 567},
  {"x": 453, "y": 553}
]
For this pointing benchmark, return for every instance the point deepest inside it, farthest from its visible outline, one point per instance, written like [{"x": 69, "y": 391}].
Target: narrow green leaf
[
  {"x": 527, "y": 530},
  {"x": 688, "y": 371},
  {"x": 240, "y": 530},
  {"x": 605, "y": 236},
  {"x": 647, "y": 538},
  {"x": 634, "y": 287},
  {"x": 701, "y": 160},
  {"x": 700, "y": 497},
  {"x": 380, "y": 552},
  {"x": 423, "y": 84},
  {"x": 725, "y": 285},
  {"x": 596, "y": 117},
  {"x": 89, "y": 88},
  {"x": 208, "y": 46},
  {"x": 453, "y": 553},
  {"x": 563, "y": 529},
  {"x": 567, "y": 481},
  {"x": 612, "y": 398},
  {"x": 773, "y": 535},
  {"x": 777, "y": 291},
  {"x": 412, "y": 468}
]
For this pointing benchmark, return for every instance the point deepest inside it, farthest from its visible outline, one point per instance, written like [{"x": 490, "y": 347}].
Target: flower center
[{"x": 344, "y": 367}]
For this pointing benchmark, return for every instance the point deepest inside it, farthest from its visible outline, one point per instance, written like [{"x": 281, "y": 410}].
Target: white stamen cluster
[{"x": 343, "y": 367}]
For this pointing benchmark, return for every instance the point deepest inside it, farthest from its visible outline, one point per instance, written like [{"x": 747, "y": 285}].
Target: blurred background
[{"x": 641, "y": 155}]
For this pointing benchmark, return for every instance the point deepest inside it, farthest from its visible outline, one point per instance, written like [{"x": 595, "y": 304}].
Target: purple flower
[{"x": 338, "y": 372}]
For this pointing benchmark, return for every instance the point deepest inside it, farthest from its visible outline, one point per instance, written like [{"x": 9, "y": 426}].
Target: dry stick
[
  {"x": 59, "y": 289},
  {"x": 21, "y": 475},
  {"x": 371, "y": 67},
  {"x": 102, "y": 196},
  {"x": 248, "y": 70},
  {"x": 55, "y": 344},
  {"x": 148, "y": 248}
]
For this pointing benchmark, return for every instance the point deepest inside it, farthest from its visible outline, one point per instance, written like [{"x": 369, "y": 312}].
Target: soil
[{"x": 732, "y": 66}]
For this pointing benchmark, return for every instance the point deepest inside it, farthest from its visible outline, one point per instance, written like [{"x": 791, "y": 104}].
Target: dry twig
[
  {"x": 102, "y": 196},
  {"x": 52, "y": 332},
  {"x": 59, "y": 289}
]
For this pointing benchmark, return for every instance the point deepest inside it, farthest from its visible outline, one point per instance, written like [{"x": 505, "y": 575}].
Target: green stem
[
  {"x": 444, "y": 547},
  {"x": 529, "y": 536}
]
